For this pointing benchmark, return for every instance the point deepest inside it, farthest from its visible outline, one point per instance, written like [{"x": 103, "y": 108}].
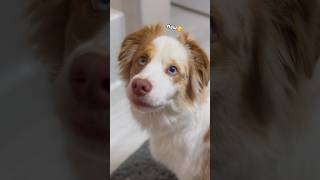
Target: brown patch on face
[
  {"x": 181, "y": 75},
  {"x": 145, "y": 52},
  {"x": 134, "y": 44},
  {"x": 199, "y": 68}
]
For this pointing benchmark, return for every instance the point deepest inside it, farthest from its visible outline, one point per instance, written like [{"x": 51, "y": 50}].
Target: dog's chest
[{"x": 179, "y": 152}]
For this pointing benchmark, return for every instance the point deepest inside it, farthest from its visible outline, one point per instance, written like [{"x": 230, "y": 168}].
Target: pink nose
[
  {"x": 89, "y": 80},
  {"x": 141, "y": 87}
]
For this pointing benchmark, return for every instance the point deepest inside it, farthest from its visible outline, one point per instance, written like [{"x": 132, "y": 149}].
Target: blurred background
[
  {"x": 127, "y": 16},
  {"x": 31, "y": 144}
]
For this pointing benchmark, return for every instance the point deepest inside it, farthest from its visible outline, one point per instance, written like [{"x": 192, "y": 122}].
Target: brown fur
[
  {"x": 138, "y": 44},
  {"x": 199, "y": 59},
  {"x": 147, "y": 53},
  {"x": 181, "y": 75},
  {"x": 191, "y": 79},
  {"x": 132, "y": 43},
  {"x": 199, "y": 67}
]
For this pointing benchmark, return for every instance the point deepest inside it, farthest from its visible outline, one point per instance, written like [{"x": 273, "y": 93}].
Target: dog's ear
[
  {"x": 298, "y": 23},
  {"x": 49, "y": 21},
  {"x": 131, "y": 44},
  {"x": 199, "y": 74}
]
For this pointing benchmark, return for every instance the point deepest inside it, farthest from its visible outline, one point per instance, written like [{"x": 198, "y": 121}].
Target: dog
[
  {"x": 264, "y": 55},
  {"x": 167, "y": 84},
  {"x": 71, "y": 38}
]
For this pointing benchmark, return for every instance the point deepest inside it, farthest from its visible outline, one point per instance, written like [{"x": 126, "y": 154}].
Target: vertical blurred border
[{"x": 211, "y": 77}]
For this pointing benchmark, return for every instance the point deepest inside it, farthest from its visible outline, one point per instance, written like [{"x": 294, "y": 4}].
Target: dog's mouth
[{"x": 142, "y": 104}]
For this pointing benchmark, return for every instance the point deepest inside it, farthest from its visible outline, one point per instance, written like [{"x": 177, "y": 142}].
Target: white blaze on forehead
[{"x": 168, "y": 48}]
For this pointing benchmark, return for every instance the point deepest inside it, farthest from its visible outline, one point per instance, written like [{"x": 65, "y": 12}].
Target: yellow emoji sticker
[{"x": 175, "y": 28}]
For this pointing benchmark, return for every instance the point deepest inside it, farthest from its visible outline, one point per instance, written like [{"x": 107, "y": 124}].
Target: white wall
[
  {"x": 142, "y": 12},
  {"x": 202, "y": 6}
]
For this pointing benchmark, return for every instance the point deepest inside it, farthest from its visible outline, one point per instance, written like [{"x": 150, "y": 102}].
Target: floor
[{"x": 125, "y": 135}]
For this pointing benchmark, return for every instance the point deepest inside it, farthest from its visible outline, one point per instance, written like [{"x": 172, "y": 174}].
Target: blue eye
[
  {"x": 142, "y": 61},
  {"x": 100, "y": 5},
  {"x": 172, "y": 70}
]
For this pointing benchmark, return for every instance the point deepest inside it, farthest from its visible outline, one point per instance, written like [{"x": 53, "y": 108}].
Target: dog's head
[
  {"x": 162, "y": 72},
  {"x": 71, "y": 36}
]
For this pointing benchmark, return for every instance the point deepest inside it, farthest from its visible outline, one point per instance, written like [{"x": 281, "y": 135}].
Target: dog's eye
[
  {"x": 172, "y": 70},
  {"x": 100, "y": 5},
  {"x": 142, "y": 61}
]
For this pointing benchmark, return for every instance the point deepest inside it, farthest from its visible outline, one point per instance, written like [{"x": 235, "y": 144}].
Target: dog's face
[
  {"x": 71, "y": 35},
  {"x": 162, "y": 72},
  {"x": 157, "y": 73}
]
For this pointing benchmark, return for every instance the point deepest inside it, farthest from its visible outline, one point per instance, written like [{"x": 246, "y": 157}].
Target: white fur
[
  {"x": 166, "y": 48},
  {"x": 176, "y": 135}
]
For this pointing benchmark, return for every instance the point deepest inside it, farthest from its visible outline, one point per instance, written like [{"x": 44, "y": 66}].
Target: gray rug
[{"x": 141, "y": 166}]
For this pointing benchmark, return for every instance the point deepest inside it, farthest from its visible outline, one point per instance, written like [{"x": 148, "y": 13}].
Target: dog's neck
[{"x": 171, "y": 120}]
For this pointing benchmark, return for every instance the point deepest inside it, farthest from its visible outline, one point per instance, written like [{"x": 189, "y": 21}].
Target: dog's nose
[
  {"x": 141, "y": 87},
  {"x": 89, "y": 80}
]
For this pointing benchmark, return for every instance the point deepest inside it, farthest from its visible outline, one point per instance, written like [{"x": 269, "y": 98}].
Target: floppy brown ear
[
  {"x": 132, "y": 43},
  {"x": 299, "y": 24},
  {"x": 49, "y": 20},
  {"x": 199, "y": 66}
]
